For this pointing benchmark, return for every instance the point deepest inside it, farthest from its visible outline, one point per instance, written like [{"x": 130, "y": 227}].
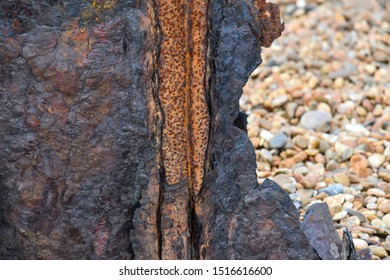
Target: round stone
[
  {"x": 386, "y": 245},
  {"x": 255, "y": 142},
  {"x": 378, "y": 223},
  {"x": 333, "y": 189},
  {"x": 342, "y": 178},
  {"x": 339, "y": 216},
  {"x": 289, "y": 188},
  {"x": 378, "y": 251},
  {"x": 353, "y": 221},
  {"x": 266, "y": 135},
  {"x": 359, "y": 215},
  {"x": 356, "y": 129},
  {"x": 376, "y": 192},
  {"x": 265, "y": 155},
  {"x": 335, "y": 199},
  {"x": 360, "y": 244},
  {"x": 372, "y": 206},
  {"x": 254, "y": 132},
  {"x": 301, "y": 141},
  {"x": 315, "y": 119},
  {"x": 283, "y": 179},
  {"x": 332, "y": 165},
  {"x": 324, "y": 146},
  {"x": 384, "y": 207},
  {"x": 278, "y": 141},
  {"x": 279, "y": 101},
  {"x": 376, "y": 160},
  {"x": 386, "y": 220},
  {"x": 307, "y": 193}
]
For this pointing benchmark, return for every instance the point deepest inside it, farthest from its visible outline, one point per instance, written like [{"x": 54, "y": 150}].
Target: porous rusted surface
[
  {"x": 268, "y": 17},
  {"x": 173, "y": 88},
  {"x": 183, "y": 99},
  {"x": 199, "y": 109},
  {"x": 182, "y": 78}
]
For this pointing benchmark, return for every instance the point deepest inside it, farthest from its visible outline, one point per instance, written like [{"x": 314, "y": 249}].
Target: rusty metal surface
[{"x": 118, "y": 132}]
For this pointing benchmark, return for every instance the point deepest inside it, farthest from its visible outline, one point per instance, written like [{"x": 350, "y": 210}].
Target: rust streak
[{"x": 182, "y": 71}]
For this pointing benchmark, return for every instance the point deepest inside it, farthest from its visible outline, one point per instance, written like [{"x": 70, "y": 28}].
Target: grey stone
[
  {"x": 315, "y": 119},
  {"x": 361, "y": 217},
  {"x": 278, "y": 141},
  {"x": 333, "y": 189}
]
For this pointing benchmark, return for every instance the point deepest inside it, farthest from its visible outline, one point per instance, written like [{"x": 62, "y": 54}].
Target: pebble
[
  {"x": 255, "y": 142},
  {"x": 266, "y": 135},
  {"x": 378, "y": 251},
  {"x": 386, "y": 220},
  {"x": 310, "y": 181},
  {"x": 311, "y": 152},
  {"x": 315, "y": 119},
  {"x": 333, "y": 189},
  {"x": 356, "y": 129},
  {"x": 378, "y": 223},
  {"x": 279, "y": 101},
  {"x": 254, "y": 132},
  {"x": 352, "y": 221},
  {"x": 332, "y": 165},
  {"x": 360, "y": 244},
  {"x": 305, "y": 193},
  {"x": 339, "y": 216},
  {"x": 359, "y": 215},
  {"x": 324, "y": 146},
  {"x": 384, "y": 207},
  {"x": 342, "y": 178},
  {"x": 289, "y": 188},
  {"x": 376, "y": 160},
  {"x": 372, "y": 206},
  {"x": 301, "y": 141},
  {"x": 265, "y": 155},
  {"x": 283, "y": 179},
  {"x": 278, "y": 141},
  {"x": 291, "y": 107},
  {"x": 359, "y": 165},
  {"x": 376, "y": 192},
  {"x": 386, "y": 245}
]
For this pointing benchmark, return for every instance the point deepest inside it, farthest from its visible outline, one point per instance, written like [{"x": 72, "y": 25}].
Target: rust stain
[
  {"x": 182, "y": 88},
  {"x": 199, "y": 111},
  {"x": 183, "y": 99},
  {"x": 269, "y": 16}
]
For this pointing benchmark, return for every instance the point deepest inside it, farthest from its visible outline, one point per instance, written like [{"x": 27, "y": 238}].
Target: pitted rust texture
[
  {"x": 182, "y": 89},
  {"x": 200, "y": 118},
  {"x": 183, "y": 99},
  {"x": 172, "y": 91},
  {"x": 269, "y": 17}
]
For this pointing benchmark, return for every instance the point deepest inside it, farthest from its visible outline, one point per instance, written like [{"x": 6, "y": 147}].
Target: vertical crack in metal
[{"x": 188, "y": 121}]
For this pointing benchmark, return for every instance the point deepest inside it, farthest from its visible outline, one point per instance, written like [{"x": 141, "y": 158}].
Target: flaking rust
[{"x": 267, "y": 14}]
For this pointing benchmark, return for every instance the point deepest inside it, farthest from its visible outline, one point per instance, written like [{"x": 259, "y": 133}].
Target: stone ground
[{"x": 319, "y": 114}]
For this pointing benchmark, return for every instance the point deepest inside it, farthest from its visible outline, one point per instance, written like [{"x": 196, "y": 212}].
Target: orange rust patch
[
  {"x": 182, "y": 95},
  {"x": 270, "y": 20},
  {"x": 182, "y": 89},
  {"x": 199, "y": 112},
  {"x": 172, "y": 91}
]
